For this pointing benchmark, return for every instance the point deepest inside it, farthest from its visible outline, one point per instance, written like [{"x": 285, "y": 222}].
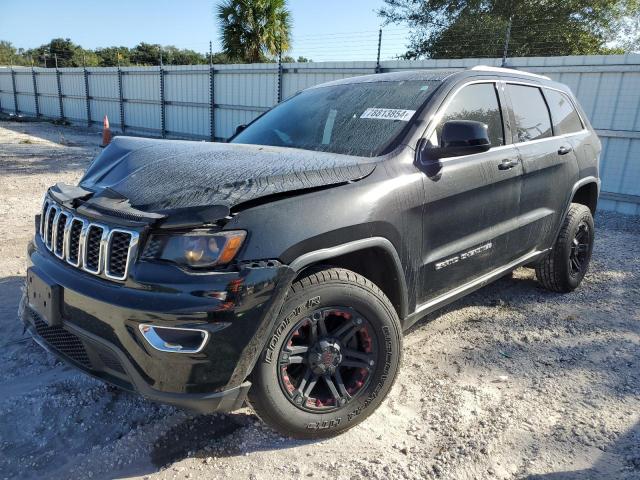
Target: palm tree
[{"x": 253, "y": 30}]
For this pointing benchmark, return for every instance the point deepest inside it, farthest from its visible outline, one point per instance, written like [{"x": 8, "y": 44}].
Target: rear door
[
  {"x": 548, "y": 162},
  {"x": 471, "y": 201}
]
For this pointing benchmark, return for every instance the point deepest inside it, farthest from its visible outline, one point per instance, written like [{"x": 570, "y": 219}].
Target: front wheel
[
  {"x": 332, "y": 356},
  {"x": 565, "y": 266}
]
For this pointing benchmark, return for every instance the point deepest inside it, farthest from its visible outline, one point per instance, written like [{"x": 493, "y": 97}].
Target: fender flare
[
  {"x": 576, "y": 186},
  {"x": 581, "y": 183},
  {"x": 320, "y": 255}
]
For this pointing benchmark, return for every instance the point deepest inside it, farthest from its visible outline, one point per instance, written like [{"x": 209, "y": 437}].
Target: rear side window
[
  {"x": 564, "y": 115},
  {"x": 477, "y": 102},
  {"x": 531, "y": 112}
]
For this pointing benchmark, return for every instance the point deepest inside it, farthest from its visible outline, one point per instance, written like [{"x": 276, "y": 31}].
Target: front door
[{"x": 472, "y": 202}]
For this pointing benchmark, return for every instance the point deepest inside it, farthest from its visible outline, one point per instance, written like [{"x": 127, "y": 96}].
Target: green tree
[
  {"x": 71, "y": 55},
  {"x": 61, "y": 49},
  {"x": 8, "y": 53},
  {"x": 67, "y": 54},
  {"x": 477, "y": 28},
  {"x": 290, "y": 59},
  {"x": 113, "y": 56},
  {"x": 176, "y": 56},
  {"x": 145, "y": 54},
  {"x": 254, "y": 30}
]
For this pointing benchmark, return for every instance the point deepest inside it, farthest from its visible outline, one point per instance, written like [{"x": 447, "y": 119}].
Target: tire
[
  {"x": 355, "y": 326},
  {"x": 563, "y": 269}
]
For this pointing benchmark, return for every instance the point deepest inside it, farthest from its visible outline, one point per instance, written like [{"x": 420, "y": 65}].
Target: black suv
[{"x": 283, "y": 267}]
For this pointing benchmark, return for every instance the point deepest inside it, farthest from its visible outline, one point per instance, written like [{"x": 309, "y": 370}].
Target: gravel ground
[{"x": 510, "y": 382}]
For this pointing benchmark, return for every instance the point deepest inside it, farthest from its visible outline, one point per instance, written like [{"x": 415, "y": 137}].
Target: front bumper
[{"x": 99, "y": 329}]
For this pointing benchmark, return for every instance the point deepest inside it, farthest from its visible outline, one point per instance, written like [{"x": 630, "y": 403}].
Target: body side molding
[{"x": 456, "y": 293}]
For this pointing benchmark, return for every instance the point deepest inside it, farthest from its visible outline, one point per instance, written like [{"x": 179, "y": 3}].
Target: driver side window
[{"x": 478, "y": 102}]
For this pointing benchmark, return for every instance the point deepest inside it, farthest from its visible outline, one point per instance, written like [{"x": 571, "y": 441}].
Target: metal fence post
[
  {"x": 36, "y": 101},
  {"x": 279, "y": 85},
  {"x": 212, "y": 106},
  {"x": 60, "y": 103},
  {"x": 15, "y": 92},
  {"x": 379, "y": 45},
  {"x": 86, "y": 90},
  {"x": 163, "y": 128},
  {"x": 121, "y": 100},
  {"x": 507, "y": 37}
]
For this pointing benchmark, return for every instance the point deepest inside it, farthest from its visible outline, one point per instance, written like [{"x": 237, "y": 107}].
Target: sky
[{"x": 323, "y": 30}]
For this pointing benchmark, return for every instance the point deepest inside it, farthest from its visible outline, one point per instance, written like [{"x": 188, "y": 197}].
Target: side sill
[{"x": 452, "y": 295}]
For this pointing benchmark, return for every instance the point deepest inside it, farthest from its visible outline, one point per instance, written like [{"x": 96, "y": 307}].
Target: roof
[
  {"x": 419, "y": 75},
  {"x": 433, "y": 75}
]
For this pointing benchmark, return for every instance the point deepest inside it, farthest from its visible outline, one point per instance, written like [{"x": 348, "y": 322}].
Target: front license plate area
[{"x": 44, "y": 296}]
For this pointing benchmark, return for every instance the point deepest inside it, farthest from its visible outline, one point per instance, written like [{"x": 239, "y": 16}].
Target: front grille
[
  {"x": 93, "y": 247},
  {"x": 63, "y": 341}
]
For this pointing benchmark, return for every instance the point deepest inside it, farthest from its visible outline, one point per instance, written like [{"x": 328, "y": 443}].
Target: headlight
[{"x": 195, "y": 249}]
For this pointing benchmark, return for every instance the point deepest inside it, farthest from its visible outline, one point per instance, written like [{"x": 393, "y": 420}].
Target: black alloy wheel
[
  {"x": 331, "y": 358},
  {"x": 564, "y": 267},
  {"x": 326, "y": 359},
  {"x": 580, "y": 249}
]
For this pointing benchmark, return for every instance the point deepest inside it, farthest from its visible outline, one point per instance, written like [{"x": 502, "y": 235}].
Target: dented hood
[{"x": 160, "y": 175}]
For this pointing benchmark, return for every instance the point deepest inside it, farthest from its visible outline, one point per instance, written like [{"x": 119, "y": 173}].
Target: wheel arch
[
  {"x": 374, "y": 258},
  {"x": 586, "y": 193}
]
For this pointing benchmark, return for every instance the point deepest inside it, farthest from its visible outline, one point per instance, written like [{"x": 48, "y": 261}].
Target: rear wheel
[
  {"x": 563, "y": 269},
  {"x": 332, "y": 356}
]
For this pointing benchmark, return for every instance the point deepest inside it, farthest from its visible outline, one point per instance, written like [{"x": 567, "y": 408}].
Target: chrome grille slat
[
  {"x": 51, "y": 213},
  {"x": 93, "y": 247},
  {"x": 43, "y": 216},
  {"x": 60, "y": 232}
]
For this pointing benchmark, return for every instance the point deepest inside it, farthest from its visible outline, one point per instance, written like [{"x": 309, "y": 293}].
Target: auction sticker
[{"x": 388, "y": 114}]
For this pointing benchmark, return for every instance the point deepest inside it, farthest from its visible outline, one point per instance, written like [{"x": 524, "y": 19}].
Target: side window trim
[
  {"x": 546, "y": 104},
  {"x": 505, "y": 110}
]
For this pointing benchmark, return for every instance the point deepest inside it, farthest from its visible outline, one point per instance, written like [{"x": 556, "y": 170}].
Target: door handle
[
  {"x": 507, "y": 164},
  {"x": 563, "y": 150}
]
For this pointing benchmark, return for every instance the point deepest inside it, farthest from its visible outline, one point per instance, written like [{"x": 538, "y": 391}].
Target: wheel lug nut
[
  {"x": 359, "y": 321},
  {"x": 343, "y": 401},
  {"x": 371, "y": 363}
]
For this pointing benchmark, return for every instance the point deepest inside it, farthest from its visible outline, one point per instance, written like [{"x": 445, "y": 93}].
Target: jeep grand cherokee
[{"x": 284, "y": 266}]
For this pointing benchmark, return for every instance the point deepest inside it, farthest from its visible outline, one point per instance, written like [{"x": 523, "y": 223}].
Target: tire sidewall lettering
[
  {"x": 335, "y": 422},
  {"x": 282, "y": 327}
]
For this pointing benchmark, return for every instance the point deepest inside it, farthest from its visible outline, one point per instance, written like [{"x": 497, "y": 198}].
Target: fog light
[{"x": 172, "y": 339}]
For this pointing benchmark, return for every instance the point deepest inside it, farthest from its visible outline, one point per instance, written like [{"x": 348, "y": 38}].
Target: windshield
[{"x": 356, "y": 119}]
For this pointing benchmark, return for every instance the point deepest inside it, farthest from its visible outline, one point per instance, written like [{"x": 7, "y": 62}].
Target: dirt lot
[{"x": 510, "y": 382}]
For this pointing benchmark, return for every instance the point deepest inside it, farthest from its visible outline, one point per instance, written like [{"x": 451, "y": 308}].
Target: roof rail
[{"x": 487, "y": 68}]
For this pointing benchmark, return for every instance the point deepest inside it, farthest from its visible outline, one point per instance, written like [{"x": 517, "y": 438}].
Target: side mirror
[
  {"x": 240, "y": 128},
  {"x": 459, "y": 137}
]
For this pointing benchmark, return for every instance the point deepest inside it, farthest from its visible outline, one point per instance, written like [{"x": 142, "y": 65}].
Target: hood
[{"x": 161, "y": 175}]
